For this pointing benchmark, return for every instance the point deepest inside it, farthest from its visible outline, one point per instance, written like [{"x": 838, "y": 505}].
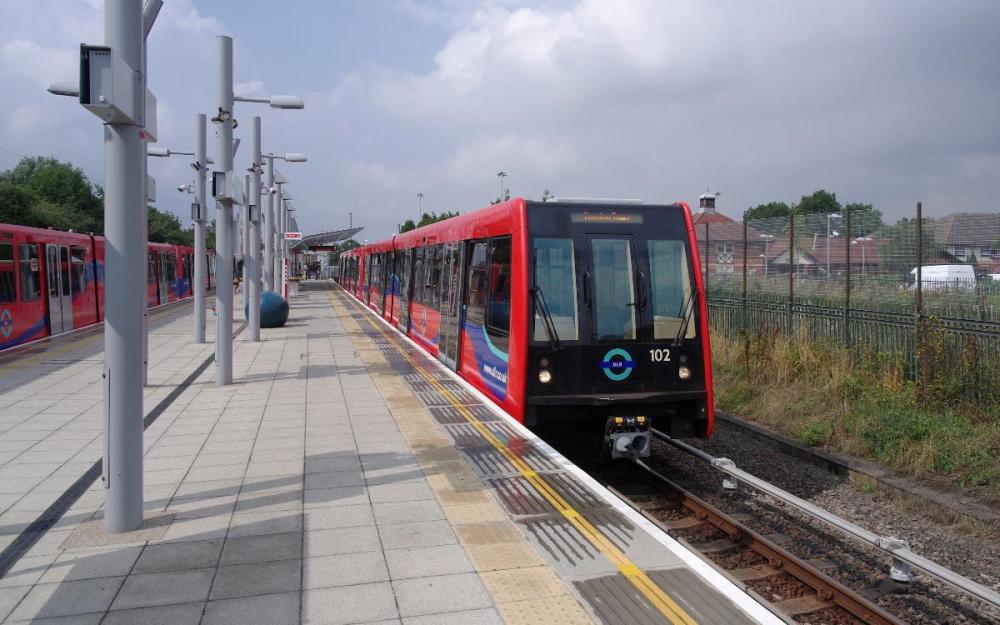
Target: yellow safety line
[{"x": 656, "y": 595}]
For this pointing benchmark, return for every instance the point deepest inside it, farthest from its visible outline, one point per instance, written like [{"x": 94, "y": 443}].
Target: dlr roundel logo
[{"x": 617, "y": 364}]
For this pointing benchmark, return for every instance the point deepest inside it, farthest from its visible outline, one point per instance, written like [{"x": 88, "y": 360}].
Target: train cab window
[
  {"x": 65, "y": 268},
  {"x": 31, "y": 284},
  {"x": 555, "y": 277},
  {"x": 670, "y": 286},
  {"x": 8, "y": 291},
  {"x": 78, "y": 270},
  {"x": 498, "y": 307},
  {"x": 614, "y": 289}
]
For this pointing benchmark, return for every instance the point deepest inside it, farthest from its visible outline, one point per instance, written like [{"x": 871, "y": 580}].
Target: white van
[{"x": 946, "y": 277}]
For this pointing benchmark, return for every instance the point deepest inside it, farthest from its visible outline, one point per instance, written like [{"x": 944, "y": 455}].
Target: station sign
[{"x": 293, "y": 236}]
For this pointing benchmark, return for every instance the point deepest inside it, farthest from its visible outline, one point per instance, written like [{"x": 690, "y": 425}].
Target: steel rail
[
  {"x": 903, "y": 557},
  {"x": 826, "y": 588}
]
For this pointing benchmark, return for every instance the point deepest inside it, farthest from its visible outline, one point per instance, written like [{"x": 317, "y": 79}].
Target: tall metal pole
[
  {"x": 791, "y": 271},
  {"x": 268, "y": 217},
  {"x": 254, "y": 256},
  {"x": 125, "y": 266},
  {"x": 224, "y": 216},
  {"x": 282, "y": 248},
  {"x": 200, "y": 248},
  {"x": 279, "y": 235},
  {"x": 245, "y": 241},
  {"x": 847, "y": 284}
]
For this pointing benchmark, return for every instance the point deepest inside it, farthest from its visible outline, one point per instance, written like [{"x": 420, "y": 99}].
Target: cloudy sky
[{"x": 882, "y": 101}]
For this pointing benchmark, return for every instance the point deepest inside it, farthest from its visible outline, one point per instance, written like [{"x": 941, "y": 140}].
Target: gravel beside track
[{"x": 924, "y": 601}]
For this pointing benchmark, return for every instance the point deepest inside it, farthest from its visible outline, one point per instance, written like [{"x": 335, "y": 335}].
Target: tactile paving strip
[
  {"x": 488, "y": 462},
  {"x": 689, "y": 591},
  {"x": 450, "y": 415}
]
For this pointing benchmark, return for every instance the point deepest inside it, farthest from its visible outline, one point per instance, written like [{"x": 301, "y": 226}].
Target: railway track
[
  {"x": 809, "y": 574},
  {"x": 798, "y": 589}
]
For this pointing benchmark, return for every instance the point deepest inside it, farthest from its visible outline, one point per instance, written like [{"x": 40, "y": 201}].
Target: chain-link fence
[{"x": 849, "y": 279}]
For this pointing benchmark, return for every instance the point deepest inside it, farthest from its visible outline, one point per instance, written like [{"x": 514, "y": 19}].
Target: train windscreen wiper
[
  {"x": 688, "y": 312},
  {"x": 542, "y": 307}
]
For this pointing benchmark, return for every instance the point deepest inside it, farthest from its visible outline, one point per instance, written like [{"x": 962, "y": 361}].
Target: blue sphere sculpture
[{"x": 273, "y": 310}]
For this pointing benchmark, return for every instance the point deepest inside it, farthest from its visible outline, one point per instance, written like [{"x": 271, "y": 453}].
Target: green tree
[
  {"x": 165, "y": 227},
  {"x": 819, "y": 202},
  {"x": 64, "y": 186},
  {"x": 865, "y": 218},
  {"x": 407, "y": 226},
  {"x": 898, "y": 246},
  {"x": 429, "y": 218},
  {"x": 771, "y": 209},
  {"x": 340, "y": 248}
]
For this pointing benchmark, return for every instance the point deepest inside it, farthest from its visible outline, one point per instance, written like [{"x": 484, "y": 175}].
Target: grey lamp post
[
  {"x": 199, "y": 215},
  {"x": 224, "y": 190},
  {"x": 420, "y": 209},
  {"x": 501, "y": 175},
  {"x": 270, "y": 214},
  {"x": 128, "y": 125},
  {"x": 767, "y": 239},
  {"x": 862, "y": 242},
  {"x": 828, "y": 235}
]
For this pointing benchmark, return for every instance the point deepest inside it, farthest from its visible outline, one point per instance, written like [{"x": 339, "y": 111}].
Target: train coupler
[{"x": 628, "y": 437}]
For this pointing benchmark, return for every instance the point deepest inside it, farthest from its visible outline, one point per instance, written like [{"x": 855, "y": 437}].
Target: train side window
[
  {"x": 150, "y": 268},
  {"x": 435, "y": 260},
  {"x": 31, "y": 284},
  {"x": 78, "y": 270},
  {"x": 8, "y": 290},
  {"x": 498, "y": 308},
  {"x": 64, "y": 266},
  {"x": 419, "y": 274},
  {"x": 404, "y": 274},
  {"x": 475, "y": 294}
]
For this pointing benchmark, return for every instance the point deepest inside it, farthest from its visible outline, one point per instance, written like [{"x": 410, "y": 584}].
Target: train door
[
  {"x": 405, "y": 264},
  {"x": 451, "y": 282},
  {"x": 57, "y": 268}
]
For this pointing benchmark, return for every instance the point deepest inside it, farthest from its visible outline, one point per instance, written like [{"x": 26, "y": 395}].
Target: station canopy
[{"x": 324, "y": 238}]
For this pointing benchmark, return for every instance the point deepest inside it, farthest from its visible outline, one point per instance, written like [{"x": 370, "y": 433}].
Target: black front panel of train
[{"x": 613, "y": 318}]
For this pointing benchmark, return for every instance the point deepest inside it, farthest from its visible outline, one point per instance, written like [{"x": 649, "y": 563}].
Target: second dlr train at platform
[
  {"x": 587, "y": 317},
  {"x": 52, "y": 282}
]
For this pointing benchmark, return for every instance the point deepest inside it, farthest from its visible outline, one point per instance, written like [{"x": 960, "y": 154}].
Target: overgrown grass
[{"x": 860, "y": 403}]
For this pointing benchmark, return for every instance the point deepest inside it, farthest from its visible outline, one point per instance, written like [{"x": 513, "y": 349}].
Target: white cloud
[{"x": 250, "y": 87}]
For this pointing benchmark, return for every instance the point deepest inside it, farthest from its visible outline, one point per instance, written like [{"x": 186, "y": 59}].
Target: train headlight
[
  {"x": 544, "y": 376},
  {"x": 683, "y": 373}
]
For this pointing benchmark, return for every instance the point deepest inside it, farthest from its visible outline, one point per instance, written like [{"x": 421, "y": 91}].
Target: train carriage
[
  {"x": 571, "y": 315},
  {"x": 52, "y": 282}
]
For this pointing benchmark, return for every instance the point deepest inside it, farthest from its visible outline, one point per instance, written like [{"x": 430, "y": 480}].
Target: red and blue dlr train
[
  {"x": 53, "y": 282},
  {"x": 584, "y": 313}
]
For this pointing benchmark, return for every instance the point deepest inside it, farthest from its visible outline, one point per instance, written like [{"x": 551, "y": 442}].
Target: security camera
[{"x": 196, "y": 166}]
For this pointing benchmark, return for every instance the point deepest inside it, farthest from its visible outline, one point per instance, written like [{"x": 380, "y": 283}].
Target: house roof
[
  {"x": 804, "y": 248},
  {"x": 972, "y": 229},
  {"x": 721, "y": 227}
]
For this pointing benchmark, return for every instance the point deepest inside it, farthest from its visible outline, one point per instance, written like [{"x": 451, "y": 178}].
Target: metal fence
[{"x": 847, "y": 278}]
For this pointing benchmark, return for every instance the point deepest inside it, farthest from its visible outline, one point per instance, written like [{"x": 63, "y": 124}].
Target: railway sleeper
[{"x": 803, "y": 605}]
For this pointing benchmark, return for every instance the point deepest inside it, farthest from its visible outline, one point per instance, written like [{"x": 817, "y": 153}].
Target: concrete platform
[{"x": 344, "y": 478}]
